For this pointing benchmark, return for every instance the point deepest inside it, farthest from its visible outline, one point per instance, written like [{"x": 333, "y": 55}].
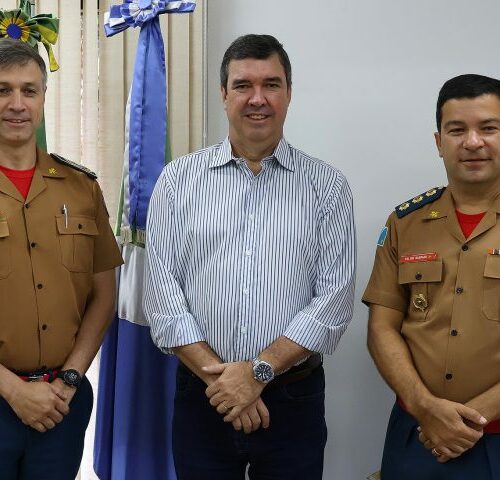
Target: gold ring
[
  {"x": 436, "y": 452},
  {"x": 224, "y": 405}
]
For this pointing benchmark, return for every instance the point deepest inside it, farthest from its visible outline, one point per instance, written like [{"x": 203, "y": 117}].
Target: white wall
[{"x": 365, "y": 80}]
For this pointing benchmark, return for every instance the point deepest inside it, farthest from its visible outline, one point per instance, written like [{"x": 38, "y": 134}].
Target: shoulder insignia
[
  {"x": 419, "y": 201},
  {"x": 74, "y": 165}
]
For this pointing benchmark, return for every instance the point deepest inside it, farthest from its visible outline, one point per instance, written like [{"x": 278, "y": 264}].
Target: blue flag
[{"x": 136, "y": 381}]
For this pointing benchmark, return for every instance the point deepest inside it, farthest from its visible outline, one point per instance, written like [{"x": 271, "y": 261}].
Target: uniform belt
[
  {"x": 492, "y": 427},
  {"x": 47, "y": 375},
  {"x": 294, "y": 374}
]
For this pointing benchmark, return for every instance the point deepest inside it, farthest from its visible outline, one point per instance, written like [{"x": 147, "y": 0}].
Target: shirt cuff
[
  {"x": 385, "y": 299},
  {"x": 176, "y": 332},
  {"x": 307, "y": 332}
]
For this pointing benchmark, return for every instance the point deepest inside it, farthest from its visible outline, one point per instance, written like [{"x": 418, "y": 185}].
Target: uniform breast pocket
[
  {"x": 76, "y": 237},
  {"x": 421, "y": 278},
  {"x": 5, "y": 255},
  {"x": 491, "y": 288}
]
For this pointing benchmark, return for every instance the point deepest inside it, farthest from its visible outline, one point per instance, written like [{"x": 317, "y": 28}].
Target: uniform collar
[
  {"x": 444, "y": 207},
  {"x": 282, "y": 153}
]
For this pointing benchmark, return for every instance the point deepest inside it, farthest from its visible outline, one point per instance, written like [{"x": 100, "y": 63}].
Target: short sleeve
[
  {"x": 383, "y": 287},
  {"x": 106, "y": 252}
]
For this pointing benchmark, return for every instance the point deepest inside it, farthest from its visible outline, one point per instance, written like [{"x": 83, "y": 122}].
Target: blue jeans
[
  {"x": 206, "y": 448},
  {"x": 406, "y": 458},
  {"x": 26, "y": 454}
]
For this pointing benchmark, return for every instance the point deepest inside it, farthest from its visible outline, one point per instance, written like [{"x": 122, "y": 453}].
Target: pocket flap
[
  {"x": 421, "y": 272},
  {"x": 4, "y": 229},
  {"x": 492, "y": 266},
  {"x": 77, "y": 225}
]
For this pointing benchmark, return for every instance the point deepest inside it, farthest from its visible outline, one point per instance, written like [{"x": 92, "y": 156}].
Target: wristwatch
[
  {"x": 70, "y": 377},
  {"x": 262, "y": 371}
]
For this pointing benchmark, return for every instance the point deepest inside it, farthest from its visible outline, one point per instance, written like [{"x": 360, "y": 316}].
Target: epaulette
[
  {"x": 419, "y": 201},
  {"x": 74, "y": 165}
]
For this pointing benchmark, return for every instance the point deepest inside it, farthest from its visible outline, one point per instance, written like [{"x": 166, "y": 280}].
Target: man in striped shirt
[{"x": 249, "y": 278}]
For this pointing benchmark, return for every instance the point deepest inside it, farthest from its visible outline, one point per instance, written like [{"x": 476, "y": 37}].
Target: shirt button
[
  {"x": 33, "y": 244},
  {"x": 39, "y": 286},
  {"x": 245, "y": 291},
  {"x": 44, "y": 327},
  {"x": 449, "y": 376},
  {"x": 26, "y": 205},
  {"x": 459, "y": 290},
  {"x": 243, "y": 330},
  {"x": 80, "y": 226},
  {"x": 465, "y": 247},
  {"x": 418, "y": 276},
  {"x": 248, "y": 253},
  {"x": 454, "y": 333},
  {"x": 250, "y": 216}
]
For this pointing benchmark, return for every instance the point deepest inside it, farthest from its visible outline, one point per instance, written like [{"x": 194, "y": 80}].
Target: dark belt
[
  {"x": 294, "y": 374},
  {"x": 298, "y": 372},
  {"x": 47, "y": 375}
]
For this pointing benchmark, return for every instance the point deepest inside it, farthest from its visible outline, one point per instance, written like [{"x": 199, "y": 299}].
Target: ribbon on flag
[
  {"x": 148, "y": 107},
  {"x": 20, "y": 25}
]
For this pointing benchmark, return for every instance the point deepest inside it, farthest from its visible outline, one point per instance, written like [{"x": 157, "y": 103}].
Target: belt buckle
[{"x": 37, "y": 378}]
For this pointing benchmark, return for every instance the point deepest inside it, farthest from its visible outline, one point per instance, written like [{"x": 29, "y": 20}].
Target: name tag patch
[{"x": 418, "y": 257}]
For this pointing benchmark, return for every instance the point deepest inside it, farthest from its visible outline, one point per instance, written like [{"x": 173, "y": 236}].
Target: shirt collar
[{"x": 282, "y": 153}]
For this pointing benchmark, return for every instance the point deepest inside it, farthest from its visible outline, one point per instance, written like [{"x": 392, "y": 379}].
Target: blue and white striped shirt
[{"x": 237, "y": 260}]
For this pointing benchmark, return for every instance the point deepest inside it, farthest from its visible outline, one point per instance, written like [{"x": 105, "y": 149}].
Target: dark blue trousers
[
  {"x": 206, "y": 448},
  {"x": 405, "y": 458},
  {"x": 26, "y": 454}
]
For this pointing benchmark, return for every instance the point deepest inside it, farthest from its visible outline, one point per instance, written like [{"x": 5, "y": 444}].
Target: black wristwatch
[
  {"x": 262, "y": 371},
  {"x": 70, "y": 377}
]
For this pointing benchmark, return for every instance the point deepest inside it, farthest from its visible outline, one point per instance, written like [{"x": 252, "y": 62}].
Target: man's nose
[
  {"x": 473, "y": 140},
  {"x": 258, "y": 98},
  {"x": 16, "y": 101}
]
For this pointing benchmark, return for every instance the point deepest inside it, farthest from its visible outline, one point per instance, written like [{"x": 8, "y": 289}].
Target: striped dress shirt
[{"x": 237, "y": 260}]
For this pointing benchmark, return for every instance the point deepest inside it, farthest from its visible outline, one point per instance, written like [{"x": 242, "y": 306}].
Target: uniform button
[
  {"x": 243, "y": 330},
  {"x": 80, "y": 226},
  {"x": 449, "y": 376},
  {"x": 39, "y": 286},
  {"x": 248, "y": 253},
  {"x": 26, "y": 205},
  {"x": 33, "y": 244},
  {"x": 44, "y": 327},
  {"x": 454, "y": 333},
  {"x": 459, "y": 290},
  {"x": 465, "y": 247},
  {"x": 245, "y": 291},
  {"x": 418, "y": 276}
]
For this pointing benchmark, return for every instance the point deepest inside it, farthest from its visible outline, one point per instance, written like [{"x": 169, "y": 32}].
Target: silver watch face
[{"x": 263, "y": 372}]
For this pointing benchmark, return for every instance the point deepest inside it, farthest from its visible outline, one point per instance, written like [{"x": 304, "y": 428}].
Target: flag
[{"x": 136, "y": 381}]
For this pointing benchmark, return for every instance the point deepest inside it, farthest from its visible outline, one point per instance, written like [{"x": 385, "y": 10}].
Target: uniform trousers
[
  {"x": 206, "y": 448},
  {"x": 406, "y": 458},
  {"x": 26, "y": 454}
]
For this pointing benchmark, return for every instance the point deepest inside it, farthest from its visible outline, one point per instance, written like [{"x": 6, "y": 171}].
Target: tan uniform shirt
[
  {"x": 46, "y": 267},
  {"x": 450, "y": 298}
]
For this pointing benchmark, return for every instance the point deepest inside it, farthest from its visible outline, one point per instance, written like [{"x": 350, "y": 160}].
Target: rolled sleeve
[
  {"x": 165, "y": 306},
  {"x": 320, "y": 325}
]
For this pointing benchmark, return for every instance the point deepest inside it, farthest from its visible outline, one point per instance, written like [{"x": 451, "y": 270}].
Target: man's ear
[
  {"x": 223, "y": 93},
  {"x": 437, "y": 138}
]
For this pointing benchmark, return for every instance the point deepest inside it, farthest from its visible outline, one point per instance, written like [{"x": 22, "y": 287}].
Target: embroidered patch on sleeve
[{"x": 382, "y": 237}]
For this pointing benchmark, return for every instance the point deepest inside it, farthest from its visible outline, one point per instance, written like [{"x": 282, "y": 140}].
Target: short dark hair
[
  {"x": 465, "y": 86},
  {"x": 255, "y": 46},
  {"x": 16, "y": 52}
]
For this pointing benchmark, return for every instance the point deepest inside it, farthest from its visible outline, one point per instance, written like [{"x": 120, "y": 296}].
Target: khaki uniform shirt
[
  {"x": 449, "y": 290},
  {"x": 46, "y": 266}
]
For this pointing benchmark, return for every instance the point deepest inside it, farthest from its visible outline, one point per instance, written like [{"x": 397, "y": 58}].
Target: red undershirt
[
  {"x": 20, "y": 178},
  {"x": 469, "y": 222}
]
